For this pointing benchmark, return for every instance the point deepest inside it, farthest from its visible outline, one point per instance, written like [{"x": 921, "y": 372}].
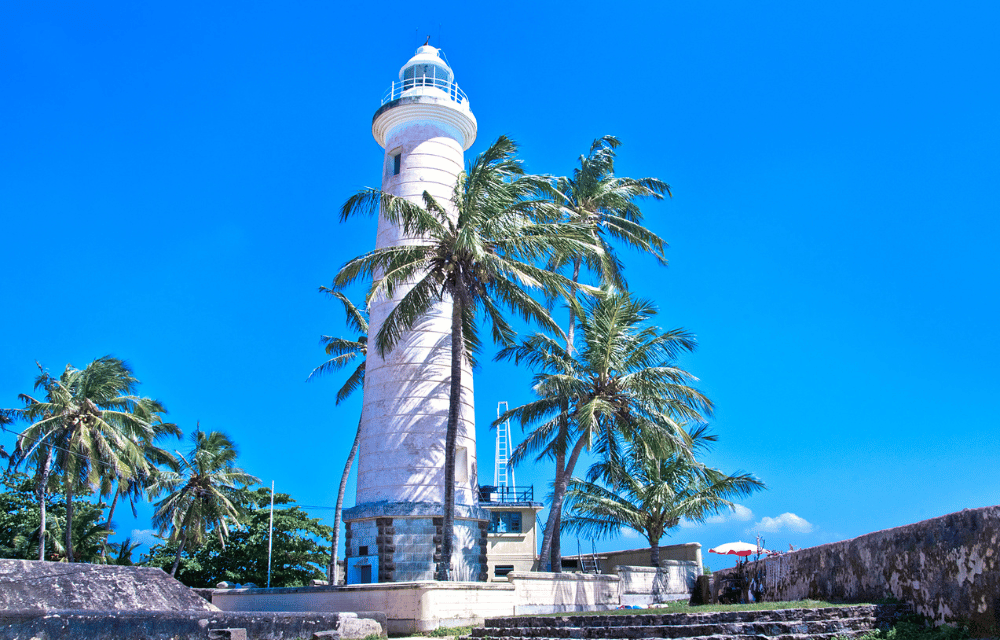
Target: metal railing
[
  {"x": 449, "y": 89},
  {"x": 506, "y": 494}
]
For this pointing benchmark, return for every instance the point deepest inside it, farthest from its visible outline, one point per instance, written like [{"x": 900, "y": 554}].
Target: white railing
[{"x": 449, "y": 89}]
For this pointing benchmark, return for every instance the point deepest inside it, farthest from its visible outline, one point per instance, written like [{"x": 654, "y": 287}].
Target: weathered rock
[{"x": 31, "y": 584}]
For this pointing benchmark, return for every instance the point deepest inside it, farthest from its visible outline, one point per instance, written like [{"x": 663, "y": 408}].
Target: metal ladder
[
  {"x": 503, "y": 475},
  {"x": 588, "y": 565}
]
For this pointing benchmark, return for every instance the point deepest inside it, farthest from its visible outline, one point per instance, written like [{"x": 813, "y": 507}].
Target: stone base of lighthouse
[{"x": 401, "y": 542}]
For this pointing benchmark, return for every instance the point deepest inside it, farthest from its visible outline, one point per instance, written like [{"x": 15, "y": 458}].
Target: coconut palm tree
[
  {"x": 481, "y": 259},
  {"x": 135, "y": 486},
  {"x": 622, "y": 385},
  {"x": 650, "y": 493},
  {"x": 89, "y": 425},
  {"x": 606, "y": 205},
  {"x": 202, "y": 492},
  {"x": 345, "y": 352}
]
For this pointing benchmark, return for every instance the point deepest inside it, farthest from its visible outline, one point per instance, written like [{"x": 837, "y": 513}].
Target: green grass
[
  {"x": 444, "y": 632},
  {"x": 683, "y": 607},
  {"x": 913, "y": 630}
]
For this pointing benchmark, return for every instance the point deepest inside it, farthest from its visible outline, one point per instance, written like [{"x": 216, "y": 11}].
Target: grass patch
[
  {"x": 684, "y": 607},
  {"x": 445, "y": 632},
  {"x": 914, "y": 630}
]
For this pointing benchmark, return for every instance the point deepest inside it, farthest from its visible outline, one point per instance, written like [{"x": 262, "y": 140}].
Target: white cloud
[
  {"x": 629, "y": 533},
  {"x": 145, "y": 536},
  {"x": 742, "y": 514},
  {"x": 786, "y": 521}
]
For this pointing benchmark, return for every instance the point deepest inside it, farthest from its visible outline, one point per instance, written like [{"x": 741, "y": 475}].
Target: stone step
[
  {"x": 750, "y": 628},
  {"x": 773, "y": 624},
  {"x": 654, "y": 619}
]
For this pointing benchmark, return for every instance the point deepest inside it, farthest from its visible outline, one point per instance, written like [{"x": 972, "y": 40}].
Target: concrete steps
[{"x": 778, "y": 624}]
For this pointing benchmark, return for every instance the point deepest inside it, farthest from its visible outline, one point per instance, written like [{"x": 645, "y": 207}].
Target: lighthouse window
[{"x": 397, "y": 163}]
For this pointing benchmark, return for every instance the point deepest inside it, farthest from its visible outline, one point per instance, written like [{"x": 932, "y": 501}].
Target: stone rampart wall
[
  {"x": 424, "y": 606},
  {"x": 410, "y": 606},
  {"x": 674, "y": 580},
  {"x": 174, "y": 625},
  {"x": 538, "y": 592},
  {"x": 947, "y": 568}
]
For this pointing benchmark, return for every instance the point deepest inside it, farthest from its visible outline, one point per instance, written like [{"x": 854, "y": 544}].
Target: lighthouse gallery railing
[{"x": 448, "y": 88}]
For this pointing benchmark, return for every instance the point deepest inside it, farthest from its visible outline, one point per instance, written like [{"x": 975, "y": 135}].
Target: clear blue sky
[{"x": 170, "y": 176}]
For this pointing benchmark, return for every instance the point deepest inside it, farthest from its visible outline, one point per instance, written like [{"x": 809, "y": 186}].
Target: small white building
[{"x": 512, "y": 537}]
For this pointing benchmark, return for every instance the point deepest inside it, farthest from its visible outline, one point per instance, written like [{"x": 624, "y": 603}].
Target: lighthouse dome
[{"x": 427, "y": 63}]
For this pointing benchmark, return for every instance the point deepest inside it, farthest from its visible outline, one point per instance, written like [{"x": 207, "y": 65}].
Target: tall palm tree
[
  {"x": 345, "y": 352},
  {"x": 606, "y": 205},
  {"x": 622, "y": 385},
  {"x": 88, "y": 425},
  {"x": 202, "y": 492},
  {"x": 481, "y": 259},
  {"x": 650, "y": 493}
]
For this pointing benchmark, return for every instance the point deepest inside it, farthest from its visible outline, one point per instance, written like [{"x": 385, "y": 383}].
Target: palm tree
[
  {"x": 89, "y": 425},
  {"x": 479, "y": 259},
  {"x": 124, "y": 551},
  {"x": 622, "y": 385},
  {"x": 345, "y": 352},
  {"x": 135, "y": 486},
  {"x": 605, "y": 204},
  {"x": 650, "y": 493},
  {"x": 202, "y": 494}
]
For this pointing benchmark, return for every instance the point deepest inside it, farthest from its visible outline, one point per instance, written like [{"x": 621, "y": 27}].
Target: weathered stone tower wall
[{"x": 393, "y": 534}]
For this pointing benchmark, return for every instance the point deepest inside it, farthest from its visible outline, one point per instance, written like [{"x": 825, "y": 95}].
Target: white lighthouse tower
[{"x": 394, "y": 533}]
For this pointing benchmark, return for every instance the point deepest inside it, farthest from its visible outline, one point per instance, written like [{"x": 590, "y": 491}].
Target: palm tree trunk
[
  {"x": 43, "y": 481},
  {"x": 183, "y": 535},
  {"x": 177, "y": 558},
  {"x": 654, "y": 554},
  {"x": 111, "y": 514},
  {"x": 555, "y": 557},
  {"x": 571, "y": 329},
  {"x": 69, "y": 518},
  {"x": 454, "y": 402},
  {"x": 558, "y": 494},
  {"x": 332, "y": 574}
]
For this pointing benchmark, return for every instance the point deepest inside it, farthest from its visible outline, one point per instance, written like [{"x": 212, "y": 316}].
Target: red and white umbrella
[{"x": 741, "y": 549}]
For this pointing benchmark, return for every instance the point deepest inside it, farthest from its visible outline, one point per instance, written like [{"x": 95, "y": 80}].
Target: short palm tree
[
  {"x": 202, "y": 492},
  {"x": 650, "y": 493},
  {"x": 345, "y": 352},
  {"x": 89, "y": 426},
  {"x": 606, "y": 205},
  {"x": 481, "y": 259},
  {"x": 623, "y": 385}
]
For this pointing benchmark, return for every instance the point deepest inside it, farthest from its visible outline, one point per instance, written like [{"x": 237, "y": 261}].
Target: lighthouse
[{"x": 394, "y": 532}]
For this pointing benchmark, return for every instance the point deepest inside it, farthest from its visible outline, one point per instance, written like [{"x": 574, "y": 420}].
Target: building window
[
  {"x": 397, "y": 163},
  {"x": 363, "y": 551},
  {"x": 505, "y": 522},
  {"x": 501, "y": 570}
]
